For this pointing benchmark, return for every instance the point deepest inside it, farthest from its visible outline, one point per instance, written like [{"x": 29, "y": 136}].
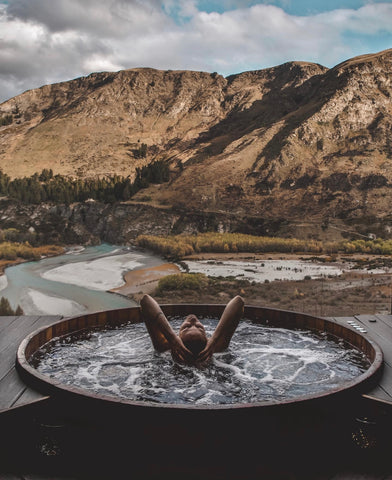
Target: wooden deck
[
  {"x": 379, "y": 329},
  {"x": 17, "y": 402},
  {"x": 13, "y": 392}
]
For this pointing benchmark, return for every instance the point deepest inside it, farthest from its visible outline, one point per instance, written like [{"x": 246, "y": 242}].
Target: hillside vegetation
[
  {"x": 16, "y": 246},
  {"x": 179, "y": 246},
  {"x": 47, "y": 187}
]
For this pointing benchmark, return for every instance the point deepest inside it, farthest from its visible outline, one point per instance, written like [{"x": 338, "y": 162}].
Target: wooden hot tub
[{"x": 277, "y": 424}]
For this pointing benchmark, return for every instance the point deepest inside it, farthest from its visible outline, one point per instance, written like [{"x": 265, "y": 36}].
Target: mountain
[{"x": 300, "y": 143}]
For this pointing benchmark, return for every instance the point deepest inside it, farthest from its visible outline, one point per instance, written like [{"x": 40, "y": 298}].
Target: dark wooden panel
[
  {"x": 358, "y": 476},
  {"x": 58, "y": 476}
]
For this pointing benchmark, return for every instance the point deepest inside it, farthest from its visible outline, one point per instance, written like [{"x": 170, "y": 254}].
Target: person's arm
[
  {"x": 161, "y": 332},
  {"x": 225, "y": 329}
]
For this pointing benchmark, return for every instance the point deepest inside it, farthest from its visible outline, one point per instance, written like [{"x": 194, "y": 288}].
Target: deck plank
[
  {"x": 27, "y": 396},
  {"x": 381, "y": 333},
  {"x": 378, "y": 393},
  {"x": 386, "y": 319},
  {"x": 385, "y": 383},
  {"x": 5, "y": 322},
  {"x": 14, "y": 392},
  {"x": 12, "y": 388},
  {"x": 10, "y": 341}
]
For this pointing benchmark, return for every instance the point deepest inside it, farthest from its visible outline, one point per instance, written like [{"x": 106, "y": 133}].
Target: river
[
  {"x": 79, "y": 281},
  {"x": 76, "y": 282}
]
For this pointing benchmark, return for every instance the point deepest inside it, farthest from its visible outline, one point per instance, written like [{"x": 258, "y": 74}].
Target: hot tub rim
[{"x": 49, "y": 385}]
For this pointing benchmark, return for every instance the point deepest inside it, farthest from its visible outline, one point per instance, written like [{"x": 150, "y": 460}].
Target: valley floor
[{"x": 354, "y": 292}]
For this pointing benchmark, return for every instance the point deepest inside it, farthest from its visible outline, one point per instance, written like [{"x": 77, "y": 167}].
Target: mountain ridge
[{"x": 289, "y": 141}]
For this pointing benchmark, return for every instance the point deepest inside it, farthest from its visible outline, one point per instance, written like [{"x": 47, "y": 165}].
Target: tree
[
  {"x": 46, "y": 174},
  {"x": 5, "y": 307},
  {"x": 141, "y": 152}
]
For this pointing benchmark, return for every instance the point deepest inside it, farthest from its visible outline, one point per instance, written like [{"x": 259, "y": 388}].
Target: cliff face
[
  {"x": 120, "y": 223},
  {"x": 294, "y": 141}
]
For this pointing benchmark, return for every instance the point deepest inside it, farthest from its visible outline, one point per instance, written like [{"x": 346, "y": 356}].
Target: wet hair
[{"x": 195, "y": 343}]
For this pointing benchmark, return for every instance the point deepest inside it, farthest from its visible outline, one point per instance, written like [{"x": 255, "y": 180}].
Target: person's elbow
[
  {"x": 239, "y": 300},
  {"x": 144, "y": 299}
]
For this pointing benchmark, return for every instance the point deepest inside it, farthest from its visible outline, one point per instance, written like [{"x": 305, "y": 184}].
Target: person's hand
[
  {"x": 180, "y": 353},
  {"x": 206, "y": 354}
]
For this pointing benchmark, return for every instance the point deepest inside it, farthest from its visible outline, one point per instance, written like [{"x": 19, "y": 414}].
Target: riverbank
[
  {"x": 145, "y": 280},
  {"x": 356, "y": 291},
  {"x": 351, "y": 284}
]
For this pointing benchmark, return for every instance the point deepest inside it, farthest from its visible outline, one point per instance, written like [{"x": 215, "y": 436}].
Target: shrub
[
  {"x": 182, "y": 281},
  {"x": 6, "y": 120},
  {"x": 13, "y": 251}
]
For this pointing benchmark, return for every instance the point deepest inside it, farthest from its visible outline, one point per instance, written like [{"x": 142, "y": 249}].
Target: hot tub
[{"x": 276, "y": 423}]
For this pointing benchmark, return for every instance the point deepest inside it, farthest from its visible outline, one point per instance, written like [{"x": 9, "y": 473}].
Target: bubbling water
[{"x": 262, "y": 364}]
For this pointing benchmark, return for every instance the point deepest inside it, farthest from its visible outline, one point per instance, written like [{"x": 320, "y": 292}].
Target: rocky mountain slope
[{"x": 295, "y": 142}]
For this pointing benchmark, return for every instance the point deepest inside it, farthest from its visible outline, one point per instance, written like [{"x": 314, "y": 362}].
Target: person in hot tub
[{"x": 191, "y": 346}]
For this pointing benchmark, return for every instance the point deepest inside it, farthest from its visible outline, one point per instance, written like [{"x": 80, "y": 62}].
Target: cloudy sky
[{"x": 46, "y": 41}]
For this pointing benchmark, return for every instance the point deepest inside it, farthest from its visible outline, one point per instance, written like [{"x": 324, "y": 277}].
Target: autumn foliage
[{"x": 179, "y": 246}]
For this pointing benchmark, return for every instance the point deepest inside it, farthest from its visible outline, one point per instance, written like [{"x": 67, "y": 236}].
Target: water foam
[{"x": 261, "y": 364}]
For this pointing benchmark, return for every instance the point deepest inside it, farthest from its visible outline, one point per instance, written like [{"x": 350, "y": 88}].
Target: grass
[
  {"x": 182, "y": 281},
  {"x": 14, "y": 252},
  {"x": 179, "y": 246}
]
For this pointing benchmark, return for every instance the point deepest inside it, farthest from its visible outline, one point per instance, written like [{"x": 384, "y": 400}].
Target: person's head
[{"x": 193, "y": 334}]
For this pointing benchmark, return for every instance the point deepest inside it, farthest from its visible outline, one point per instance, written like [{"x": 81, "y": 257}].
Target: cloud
[
  {"x": 371, "y": 19},
  {"x": 107, "y": 19},
  {"x": 43, "y": 42},
  {"x": 31, "y": 55}
]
